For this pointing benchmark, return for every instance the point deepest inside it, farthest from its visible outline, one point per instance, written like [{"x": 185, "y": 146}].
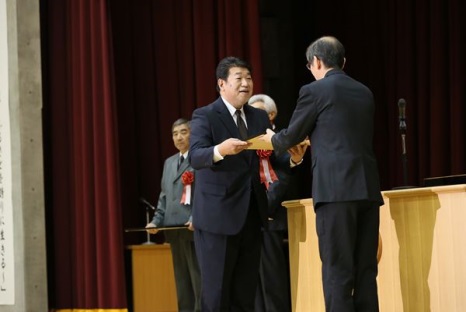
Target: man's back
[{"x": 341, "y": 111}]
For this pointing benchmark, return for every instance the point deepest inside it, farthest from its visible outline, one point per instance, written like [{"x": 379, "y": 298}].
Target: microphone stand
[
  {"x": 404, "y": 157},
  {"x": 148, "y": 241}
]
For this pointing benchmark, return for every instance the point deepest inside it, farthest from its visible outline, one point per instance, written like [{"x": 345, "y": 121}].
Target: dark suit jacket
[
  {"x": 337, "y": 114},
  {"x": 279, "y": 191},
  {"x": 223, "y": 189}
]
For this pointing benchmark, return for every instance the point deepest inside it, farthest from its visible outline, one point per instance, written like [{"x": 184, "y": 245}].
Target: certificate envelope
[{"x": 258, "y": 144}]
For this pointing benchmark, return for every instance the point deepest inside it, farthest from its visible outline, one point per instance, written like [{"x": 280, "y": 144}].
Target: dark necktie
[
  {"x": 180, "y": 161},
  {"x": 243, "y": 131}
]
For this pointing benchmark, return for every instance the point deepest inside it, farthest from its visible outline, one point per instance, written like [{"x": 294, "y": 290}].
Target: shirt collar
[{"x": 231, "y": 108}]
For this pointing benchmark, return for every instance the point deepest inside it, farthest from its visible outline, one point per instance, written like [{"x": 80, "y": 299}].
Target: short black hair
[{"x": 223, "y": 67}]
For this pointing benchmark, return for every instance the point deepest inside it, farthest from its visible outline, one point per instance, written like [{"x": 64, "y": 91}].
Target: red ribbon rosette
[
  {"x": 266, "y": 171},
  {"x": 187, "y": 178}
]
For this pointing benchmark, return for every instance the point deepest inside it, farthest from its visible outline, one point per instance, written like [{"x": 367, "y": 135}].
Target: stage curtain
[
  {"x": 412, "y": 50},
  {"x": 166, "y": 53},
  {"x": 84, "y": 229},
  {"x": 117, "y": 74},
  {"x": 425, "y": 63}
]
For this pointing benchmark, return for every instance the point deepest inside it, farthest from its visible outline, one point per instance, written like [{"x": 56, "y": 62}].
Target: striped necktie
[{"x": 180, "y": 161}]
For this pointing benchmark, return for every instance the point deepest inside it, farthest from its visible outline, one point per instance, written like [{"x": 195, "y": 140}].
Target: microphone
[
  {"x": 145, "y": 202},
  {"x": 402, "y": 113}
]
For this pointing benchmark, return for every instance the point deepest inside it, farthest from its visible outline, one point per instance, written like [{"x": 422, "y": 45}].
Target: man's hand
[
  {"x": 151, "y": 228},
  {"x": 232, "y": 146},
  {"x": 267, "y": 137},
  {"x": 297, "y": 152},
  {"x": 190, "y": 226}
]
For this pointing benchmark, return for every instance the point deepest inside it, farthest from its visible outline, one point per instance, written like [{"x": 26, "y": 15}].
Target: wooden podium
[
  {"x": 423, "y": 261},
  {"x": 153, "y": 279}
]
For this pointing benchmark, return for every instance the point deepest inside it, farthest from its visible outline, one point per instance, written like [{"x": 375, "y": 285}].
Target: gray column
[{"x": 25, "y": 101}]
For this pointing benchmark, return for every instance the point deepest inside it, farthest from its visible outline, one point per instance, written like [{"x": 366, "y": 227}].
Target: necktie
[
  {"x": 243, "y": 131},
  {"x": 180, "y": 161}
]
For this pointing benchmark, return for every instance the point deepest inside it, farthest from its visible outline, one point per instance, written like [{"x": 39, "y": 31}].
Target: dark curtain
[
  {"x": 84, "y": 227},
  {"x": 402, "y": 49},
  {"x": 166, "y": 53},
  {"x": 110, "y": 100},
  {"x": 425, "y": 65}
]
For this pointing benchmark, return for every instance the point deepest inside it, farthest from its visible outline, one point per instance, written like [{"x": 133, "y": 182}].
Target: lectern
[
  {"x": 305, "y": 264},
  {"x": 153, "y": 278},
  {"x": 423, "y": 261}
]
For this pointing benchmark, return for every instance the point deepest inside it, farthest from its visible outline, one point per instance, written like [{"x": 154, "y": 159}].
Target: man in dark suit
[
  {"x": 230, "y": 203},
  {"x": 337, "y": 111},
  {"x": 174, "y": 209}
]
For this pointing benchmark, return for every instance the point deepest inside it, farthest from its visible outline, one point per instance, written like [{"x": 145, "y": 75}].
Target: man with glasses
[{"x": 337, "y": 112}]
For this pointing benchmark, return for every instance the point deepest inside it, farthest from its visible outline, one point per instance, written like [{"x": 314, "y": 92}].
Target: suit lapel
[
  {"x": 182, "y": 169},
  {"x": 173, "y": 167},
  {"x": 228, "y": 121},
  {"x": 253, "y": 127},
  {"x": 226, "y": 118}
]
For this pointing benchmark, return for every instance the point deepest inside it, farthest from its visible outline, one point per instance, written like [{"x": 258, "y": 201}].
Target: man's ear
[
  {"x": 344, "y": 62},
  {"x": 318, "y": 62},
  {"x": 272, "y": 116},
  {"x": 220, "y": 83}
]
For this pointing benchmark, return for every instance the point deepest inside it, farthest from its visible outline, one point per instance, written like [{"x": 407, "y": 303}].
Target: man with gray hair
[
  {"x": 265, "y": 102},
  {"x": 174, "y": 209},
  {"x": 338, "y": 113},
  {"x": 273, "y": 291}
]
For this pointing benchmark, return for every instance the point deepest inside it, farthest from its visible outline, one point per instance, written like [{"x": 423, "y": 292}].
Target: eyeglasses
[{"x": 308, "y": 65}]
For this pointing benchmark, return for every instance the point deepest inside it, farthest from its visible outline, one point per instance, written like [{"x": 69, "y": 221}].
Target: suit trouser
[
  {"x": 187, "y": 275},
  {"x": 273, "y": 293},
  {"x": 229, "y": 266},
  {"x": 348, "y": 240}
]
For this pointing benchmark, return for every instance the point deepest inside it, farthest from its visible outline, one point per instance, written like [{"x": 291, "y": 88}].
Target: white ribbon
[
  {"x": 187, "y": 197},
  {"x": 265, "y": 165}
]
